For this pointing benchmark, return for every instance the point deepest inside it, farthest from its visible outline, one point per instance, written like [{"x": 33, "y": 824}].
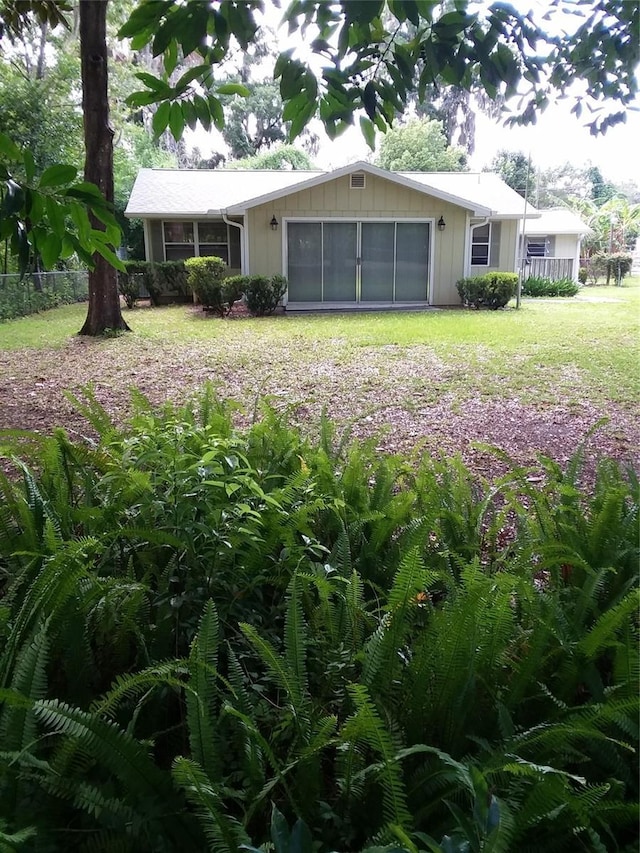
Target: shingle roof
[
  {"x": 556, "y": 220},
  {"x": 198, "y": 192},
  {"x": 481, "y": 188}
]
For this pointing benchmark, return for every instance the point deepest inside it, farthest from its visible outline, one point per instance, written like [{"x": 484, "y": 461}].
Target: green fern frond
[
  {"x": 382, "y": 652},
  {"x": 277, "y": 666},
  {"x": 252, "y": 732},
  {"x": 200, "y": 700},
  {"x": 17, "y": 725},
  {"x": 10, "y": 841},
  {"x": 295, "y": 637},
  {"x": 92, "y": 411},
  {"x": 117, "y": 751},
  {"x": 55, "y": 584},
  {"x": 366, "y": 725},
  {"x": 127, "y": 688},
  {"x": 604, "y": 633},
  {"x": 222, "y": 831}
]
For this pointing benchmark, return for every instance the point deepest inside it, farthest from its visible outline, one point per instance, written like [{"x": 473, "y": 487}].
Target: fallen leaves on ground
[{"x": 406, "y": 398}]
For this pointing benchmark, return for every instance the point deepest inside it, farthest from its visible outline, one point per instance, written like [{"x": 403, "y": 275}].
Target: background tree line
[{"x": 377, "y": 60}]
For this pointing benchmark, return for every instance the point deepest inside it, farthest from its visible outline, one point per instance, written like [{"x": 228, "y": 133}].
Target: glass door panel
[
  {"x": 377, "y": 253},
  {"x": 340, "y": 243},
  {"x": 412, "y": 261},
  {"x": 304, "y": 244}
]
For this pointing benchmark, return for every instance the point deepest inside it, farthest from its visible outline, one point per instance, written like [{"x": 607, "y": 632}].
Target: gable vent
[{"x": 358, "y": 181}]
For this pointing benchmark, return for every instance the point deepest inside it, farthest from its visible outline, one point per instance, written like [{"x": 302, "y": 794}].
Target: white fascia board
[
  {"x": 514, "y": 216},
  {"x": 559, "y": 232},
  {"x": 170, "y": 214},
  {"x": 361, "y": 166}
]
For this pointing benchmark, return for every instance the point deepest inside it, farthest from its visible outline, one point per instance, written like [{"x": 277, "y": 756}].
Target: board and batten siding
[
  {"x": 380, "y": 199},
  {"x": 504, "y": 247}
]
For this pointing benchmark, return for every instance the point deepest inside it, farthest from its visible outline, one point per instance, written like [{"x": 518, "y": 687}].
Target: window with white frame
[
  {"x": 537, "y": 247},
  {"x": 187, "y": 239},
  {"x": 179, "y": 240},
  {"x": 481, "y": 245}
]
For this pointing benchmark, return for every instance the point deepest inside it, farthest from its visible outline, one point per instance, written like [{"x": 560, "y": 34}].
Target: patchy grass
[{"x": 535, "y": 378}]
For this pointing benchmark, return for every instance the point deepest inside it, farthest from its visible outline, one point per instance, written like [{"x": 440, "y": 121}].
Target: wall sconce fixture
[
  {"x": 274, "y": 223},
  {"x": 441, "y": 224}
]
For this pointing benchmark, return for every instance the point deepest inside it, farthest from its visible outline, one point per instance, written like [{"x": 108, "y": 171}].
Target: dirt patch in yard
[{"x": 405, "y": 398}]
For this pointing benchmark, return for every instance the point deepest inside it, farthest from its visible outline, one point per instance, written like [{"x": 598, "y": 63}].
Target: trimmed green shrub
[
  {"x": 233, "y": 289},
  {"x": 204, "y": 277},
  {"x": 169, "y": 283},
  {"x": 263, "y": 294},
  {"x": 540, "y": 286},
  {"x": 596, "y": 266},
  {"x": 137, "y": 279},
  {"x": 583, "y": 274},
  {"x": 165, "y": 282},
  {"x": 618, "y": 265},
  {"x": 490, "y": 290}
]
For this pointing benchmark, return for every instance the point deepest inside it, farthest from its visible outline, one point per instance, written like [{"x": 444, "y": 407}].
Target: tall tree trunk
[
  {"x": 42, "y": 51},
  {"x": 104, "y": 301}
]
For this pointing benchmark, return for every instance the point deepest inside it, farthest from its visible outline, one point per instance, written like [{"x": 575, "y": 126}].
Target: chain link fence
[{"x": 39, "y": 291}]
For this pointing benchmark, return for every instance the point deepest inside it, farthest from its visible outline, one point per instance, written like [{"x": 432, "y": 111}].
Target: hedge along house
[
  {"x": 552, "y": 244},
  {"x": 355, "y": 237}
]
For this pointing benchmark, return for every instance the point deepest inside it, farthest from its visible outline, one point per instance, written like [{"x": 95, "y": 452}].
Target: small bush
[
  {"x": 134, "y": 281},
  {"x": 618, "y": 265},
  {"x": 204, "y": 277},
  {"x": 540, "y": 286},
  {"x": 582, "y": 275},
  {"x": 233, "y": 289},
  {"x": 169, "y": 283},
  {"x": 263, "y": 294},
  {"x": 491, "y": 290},
  {"x": 596, "y": 267}
]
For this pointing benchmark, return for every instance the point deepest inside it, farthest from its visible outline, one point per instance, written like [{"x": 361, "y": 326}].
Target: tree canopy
[
  {"x": 419, "y": 146},
  {"x": 372, "y": 64},
  {"x": 515, "y": 170},
  {"x": 280, "y": 157}
]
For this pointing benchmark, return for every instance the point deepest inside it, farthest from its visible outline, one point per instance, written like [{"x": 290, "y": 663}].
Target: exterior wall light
[
  {"x": 441, "y": 224},
  {"x": 274, "y": 223}
]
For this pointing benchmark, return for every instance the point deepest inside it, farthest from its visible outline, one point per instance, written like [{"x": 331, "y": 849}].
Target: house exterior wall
[
  {"x": 505, "y": 249},
  {"x": 565, "y": 247},
  {"x": 380, "y": 199}
]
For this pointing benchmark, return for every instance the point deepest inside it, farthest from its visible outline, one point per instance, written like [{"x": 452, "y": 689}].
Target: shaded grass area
[
  {"x": 433, "y": 382},
  {"x": 573, "y": 349}
]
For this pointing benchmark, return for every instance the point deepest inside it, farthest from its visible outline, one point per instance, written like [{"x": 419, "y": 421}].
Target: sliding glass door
[
  {"x": 362, "y": 261},
  {"x": 378, "y": 255}
]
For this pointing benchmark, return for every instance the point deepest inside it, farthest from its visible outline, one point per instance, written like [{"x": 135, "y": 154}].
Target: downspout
[{"x": 239, "y": 225}]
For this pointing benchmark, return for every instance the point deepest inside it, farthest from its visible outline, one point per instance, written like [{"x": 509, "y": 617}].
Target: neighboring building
[
  {"x": 552, "y": 244},
  {"x": 358, "y": 236}
]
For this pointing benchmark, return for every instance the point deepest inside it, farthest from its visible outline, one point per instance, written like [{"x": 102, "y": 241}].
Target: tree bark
[{"x": 104, "y": 300}]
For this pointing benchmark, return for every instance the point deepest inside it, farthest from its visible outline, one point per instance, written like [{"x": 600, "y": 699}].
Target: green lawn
[
  {"x": 459, "y": 375},
  {"x": 558, "y": 345}
]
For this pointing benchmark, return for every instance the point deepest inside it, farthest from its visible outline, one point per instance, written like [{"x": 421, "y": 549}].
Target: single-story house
[
  {"x": 552, "y": 244},
  {"x": 358, "y": 236}
]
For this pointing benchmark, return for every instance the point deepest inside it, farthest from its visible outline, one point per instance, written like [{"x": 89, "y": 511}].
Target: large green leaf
[{"x": 58, "y": 176}]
